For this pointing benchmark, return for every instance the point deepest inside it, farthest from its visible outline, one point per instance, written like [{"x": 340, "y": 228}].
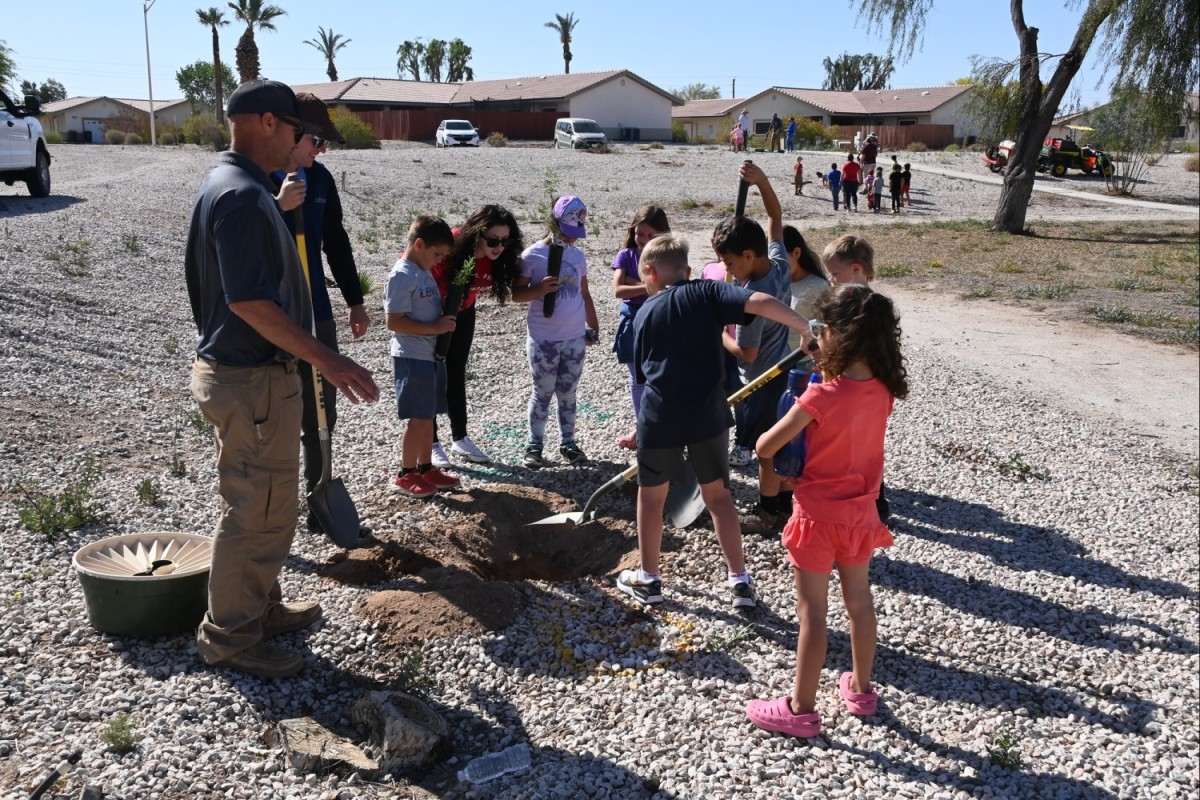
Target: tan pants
[{"x": 255, "y": 412}]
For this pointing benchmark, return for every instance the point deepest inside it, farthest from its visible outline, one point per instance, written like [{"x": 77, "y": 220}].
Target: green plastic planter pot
[{"x": 145, "y": 584}]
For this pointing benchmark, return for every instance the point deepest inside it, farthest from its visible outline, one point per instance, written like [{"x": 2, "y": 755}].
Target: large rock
[
  {"x": 311, "y": 747},
  {"x": 405, "y": 731}
]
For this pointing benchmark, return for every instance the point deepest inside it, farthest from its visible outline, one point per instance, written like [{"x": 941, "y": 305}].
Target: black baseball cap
[
  {"x": 262, "y": 96},
  {"x": 313, "y": 111}
]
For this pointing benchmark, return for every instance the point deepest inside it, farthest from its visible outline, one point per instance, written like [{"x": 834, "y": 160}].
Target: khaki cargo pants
[{"x": 255, "y": 412}]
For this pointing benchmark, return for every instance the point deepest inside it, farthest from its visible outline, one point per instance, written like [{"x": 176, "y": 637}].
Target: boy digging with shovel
[{"x": 678, "y": 354}]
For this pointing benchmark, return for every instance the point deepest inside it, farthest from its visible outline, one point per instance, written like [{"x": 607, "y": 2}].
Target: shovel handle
[
  {"x": 553, "y": 268},
  {"x": 785, "y": 364},
  {"x": 739, "y": 210},
  {"x": 302, "y": 249},
  {"x": 615, "y": 482}
]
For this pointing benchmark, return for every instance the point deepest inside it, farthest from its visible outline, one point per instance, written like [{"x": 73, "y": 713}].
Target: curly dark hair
[
  {"x": 504, "y": 268},
  {"x": 867, "y": 330},
  {"x": 653, "y": 216}
]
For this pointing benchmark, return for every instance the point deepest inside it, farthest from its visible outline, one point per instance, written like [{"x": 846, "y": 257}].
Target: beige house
[
  {"x": 707, "y": 119},
  {"x": 88, "y": 117},
  {"x": 854, "y": 112},
  {"x": 1187, "y": 131},
  {"x": 618, "y": 100}
]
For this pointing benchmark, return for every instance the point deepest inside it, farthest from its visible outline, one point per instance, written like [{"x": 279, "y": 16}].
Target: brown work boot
[
  {"x": 288, "y": 617},
  {"x": 264, "y": 660}
]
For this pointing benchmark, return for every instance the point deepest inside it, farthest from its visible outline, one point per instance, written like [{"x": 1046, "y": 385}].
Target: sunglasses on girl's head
[
  {"x": 815, "y": 327},
  {"x": 494, "y": 241}
]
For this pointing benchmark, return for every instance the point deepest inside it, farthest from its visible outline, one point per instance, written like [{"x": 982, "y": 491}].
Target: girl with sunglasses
[
  {"x": 491, "y": 235},
  {"x": 834, "y": 520}
]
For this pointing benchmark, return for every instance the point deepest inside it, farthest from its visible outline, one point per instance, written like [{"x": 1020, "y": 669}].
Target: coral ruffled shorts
[{"x": 816, "y": 546}]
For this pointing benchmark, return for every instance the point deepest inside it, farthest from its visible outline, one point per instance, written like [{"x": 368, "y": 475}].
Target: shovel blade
[
  {"x": 332, "y": 506},
  {"x": 563, "y": 522}
]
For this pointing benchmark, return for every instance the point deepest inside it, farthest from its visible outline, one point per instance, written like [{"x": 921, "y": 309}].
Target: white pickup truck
[{"x": 23, "y": 153}]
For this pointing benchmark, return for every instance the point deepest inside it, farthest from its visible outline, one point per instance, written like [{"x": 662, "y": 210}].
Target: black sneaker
[
  {"x": 760, "y": 521},
  {"x": 571, "y": 452},
  {"x": 743, "y": 596},
  {"x": 648, "y": 593},
  {"x": 533, "y": 456}
]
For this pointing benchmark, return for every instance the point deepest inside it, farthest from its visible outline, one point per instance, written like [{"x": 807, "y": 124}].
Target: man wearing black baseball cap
[
  {"x": 306, "y": 184},
  {"x": 253, "y": 317}
]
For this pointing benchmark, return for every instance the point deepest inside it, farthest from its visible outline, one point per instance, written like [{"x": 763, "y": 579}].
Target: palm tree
[
  {"x": 215, "y": 18},
  {"x": 328, "y": 44},
  {"x": 564, "y": 25},
  {"x": 255, "y": 15}
]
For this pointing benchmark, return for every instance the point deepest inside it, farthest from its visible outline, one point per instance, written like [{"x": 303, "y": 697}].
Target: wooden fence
[
  {"x": 898, "y": 137},
  {"x": 421, "y": 124}
]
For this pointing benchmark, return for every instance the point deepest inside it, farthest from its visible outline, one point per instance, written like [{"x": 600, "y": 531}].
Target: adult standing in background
[
  {"x": 308, "y": 184},
  {"x": 851, "y": 175},
  {"x": 744, "y": 121},
  {"x": 774, "y": 133},
  {"x": 868, "y": 155},
  {"x": 251, "y": 309}
]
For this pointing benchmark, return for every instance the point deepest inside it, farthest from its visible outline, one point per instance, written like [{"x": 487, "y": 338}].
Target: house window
[{"x": 906, "y": 122}]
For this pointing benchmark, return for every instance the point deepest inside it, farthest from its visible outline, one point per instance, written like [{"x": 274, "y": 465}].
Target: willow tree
[
  {"x": 255, "y": 15},
  {"x": 328, "y": 44},
  {"x": 564, "y": 24},
  {"x": 1150, "y": 42},
  {"x": 215, "y": 18}
]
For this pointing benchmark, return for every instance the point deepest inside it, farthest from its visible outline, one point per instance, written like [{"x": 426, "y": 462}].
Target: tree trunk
[
  {"x": 566, "y": 58},
  {"x": 331, "y": 71},
  {"x": 217, "y": 87},
  {"x": 247, "y": 56},
  {"x": 1038, "y": 106}
]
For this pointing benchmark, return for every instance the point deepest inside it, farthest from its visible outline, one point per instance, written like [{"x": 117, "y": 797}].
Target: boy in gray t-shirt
[
  {"x": 759, "y": 262},
  {"x": 414, "y": 316}
]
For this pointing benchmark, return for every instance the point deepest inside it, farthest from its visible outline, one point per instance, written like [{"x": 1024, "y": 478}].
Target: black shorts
[
  {"x": 709, "y": 459},
  {"x": 761, "y": 410}
]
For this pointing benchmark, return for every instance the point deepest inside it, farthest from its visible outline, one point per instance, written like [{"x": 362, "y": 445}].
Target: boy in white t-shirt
[{"x": 557, "y": 343}]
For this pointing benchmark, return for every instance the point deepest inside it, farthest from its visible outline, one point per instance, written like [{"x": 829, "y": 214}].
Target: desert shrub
[
  {"x": 602, "y": 149},
  {"x": 130, "y": 122},
  {"x": 133, "y": 138},
  {"x": 167, "y": 138},
  {"x": 114, "y": 137},
  {"x": 655, "y": 146},
  {"x": 917, "y": 147},
  {"x": 1192, "y": 164},
  {"x": 951, "y": 148},
  {"x": 812, "y": 131},
  {"x": 359, "y": 135},
  {"x": 203, "y": 129},
  {"x": 678, "y": 134},
  {"x": 165, "y": 129},
  {"x": 53, "y": 137},
  {"x": 497, "y": 139}
]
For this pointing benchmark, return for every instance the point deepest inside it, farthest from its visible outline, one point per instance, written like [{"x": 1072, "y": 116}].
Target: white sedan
[{"x": 456, "y": 133}]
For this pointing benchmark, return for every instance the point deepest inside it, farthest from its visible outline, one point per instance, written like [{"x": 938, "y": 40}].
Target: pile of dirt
[{"x": 460, "y": 578}]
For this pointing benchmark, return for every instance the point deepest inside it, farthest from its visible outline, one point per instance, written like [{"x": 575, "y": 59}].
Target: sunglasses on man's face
[
  {"x": 494, "y": 241},
  {"x": 297, "y": 128},
  {"x": 319, "y": 142}
]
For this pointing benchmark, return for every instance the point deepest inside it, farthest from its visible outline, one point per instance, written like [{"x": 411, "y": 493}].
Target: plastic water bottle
[
  {"x": 789, "y": 461},
  {"x": 493, "y": 765}
]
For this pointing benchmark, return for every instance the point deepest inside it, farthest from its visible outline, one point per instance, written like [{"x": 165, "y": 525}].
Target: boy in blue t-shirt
[
  {"x": 677, "y": 354},
  {"x": 833, "y": 182},
  {"x": 759, "y": 262},
  {"x": 415, "y": 318}
]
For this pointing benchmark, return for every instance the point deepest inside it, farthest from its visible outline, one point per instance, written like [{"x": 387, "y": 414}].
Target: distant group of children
[
  {"x": 771, "y": 295},
  {"x": 843, "y": 184}
]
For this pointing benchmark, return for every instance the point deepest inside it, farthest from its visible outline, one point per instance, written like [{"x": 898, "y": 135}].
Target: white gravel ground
[{"x": 1061, "y": 609}]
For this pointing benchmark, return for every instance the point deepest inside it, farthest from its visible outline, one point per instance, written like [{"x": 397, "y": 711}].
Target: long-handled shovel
[
  {"x": 686, "y": 506},
  {"x": 328, "y": 501}
]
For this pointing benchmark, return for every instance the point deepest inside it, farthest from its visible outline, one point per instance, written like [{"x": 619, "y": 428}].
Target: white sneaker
[
  {"x": 740, "y": 456},
  {"x": 466, "y": 448},
  {"x": 439, "y": 459}
]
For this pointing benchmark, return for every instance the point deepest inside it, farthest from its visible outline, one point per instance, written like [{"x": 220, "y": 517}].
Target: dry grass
[{"x": 1141, "y": 278}]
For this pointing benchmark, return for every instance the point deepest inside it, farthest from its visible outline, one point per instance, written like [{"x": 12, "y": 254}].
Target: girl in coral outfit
[{"x": 834, "y": 520}]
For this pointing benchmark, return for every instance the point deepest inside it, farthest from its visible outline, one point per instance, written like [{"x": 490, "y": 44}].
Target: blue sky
[{"x": 98, "y": 47}]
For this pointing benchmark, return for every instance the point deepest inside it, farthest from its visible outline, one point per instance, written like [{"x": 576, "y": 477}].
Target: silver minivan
[{"x": 578, "y": 133}]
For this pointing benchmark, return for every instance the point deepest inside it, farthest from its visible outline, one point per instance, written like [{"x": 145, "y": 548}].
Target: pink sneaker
[
  {"x": 860, "y": 704},
  {"x": 776, "y": 715}
]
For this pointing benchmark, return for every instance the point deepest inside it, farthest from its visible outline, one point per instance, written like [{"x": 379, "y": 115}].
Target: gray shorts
[
  {"x": 420, "y": 387},
  {"x": 709, "y": 459}
]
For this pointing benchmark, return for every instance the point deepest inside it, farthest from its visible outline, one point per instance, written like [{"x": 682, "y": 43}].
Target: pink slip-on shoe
[
  {"x": 860, "y": 704},
  {"x": 776, "y": 715}
]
